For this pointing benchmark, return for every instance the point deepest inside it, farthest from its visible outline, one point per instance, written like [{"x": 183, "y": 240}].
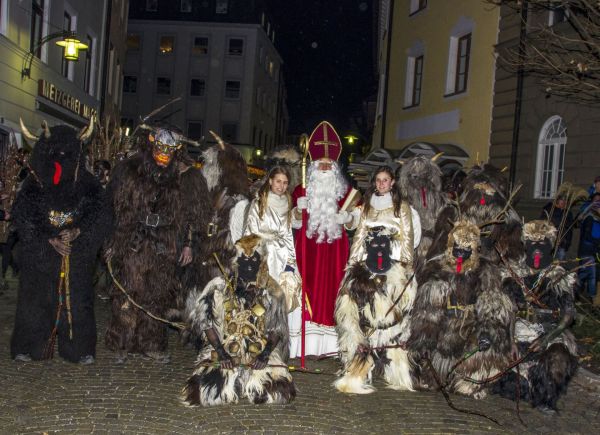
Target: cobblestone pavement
[{"x": 142, "y": 397}]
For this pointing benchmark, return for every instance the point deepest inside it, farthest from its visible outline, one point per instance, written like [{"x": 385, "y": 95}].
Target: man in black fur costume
[
  {"x": 244, "y": 321},
  {"x": 460, "y": 309},
  {"x": 374, "y": 299},
  {"x": 160, "y": 203},
  {"x": 61, "y": 220},
  {"x": 483, "y": 202},
  {"x": 420, "y": 181},
  {"x": 543, "y": 293}
]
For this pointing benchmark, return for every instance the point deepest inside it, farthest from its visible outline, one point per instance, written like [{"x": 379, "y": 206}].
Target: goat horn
[
  {"x": 46, "y": 129},
  {"x": 437, "y": 156},
  {"x": 504, "y": 169},
  {"x": 27, "y": 133},
  {"x": 86, "y": 132},
  {"x": 218, "y": 138}
]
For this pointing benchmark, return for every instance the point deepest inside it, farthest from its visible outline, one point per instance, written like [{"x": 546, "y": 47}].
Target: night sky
[{"x": 327, "y": 50}]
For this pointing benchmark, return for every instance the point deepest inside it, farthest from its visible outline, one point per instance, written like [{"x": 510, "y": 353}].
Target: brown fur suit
[
  {"x": 420, "y": 181},
  {"x": 145, "y": 257},
  {"x": 244, "y": 323},
  {"x": 460, "y": 309}
]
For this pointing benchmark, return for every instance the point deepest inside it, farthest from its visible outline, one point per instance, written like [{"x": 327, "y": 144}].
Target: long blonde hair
[{"x": 264, "y": 190}]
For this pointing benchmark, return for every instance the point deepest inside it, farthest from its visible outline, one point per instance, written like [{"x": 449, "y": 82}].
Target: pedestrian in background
[
  {"x": 561, "y": 217},
  {"x": 589, "y": 246}
]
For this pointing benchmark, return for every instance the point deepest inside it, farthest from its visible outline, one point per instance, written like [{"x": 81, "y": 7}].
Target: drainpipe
[
  {"x": 519, "y": 96},
  {"x": 387, "y": 73},
  {"x": 105, "y": 57}
]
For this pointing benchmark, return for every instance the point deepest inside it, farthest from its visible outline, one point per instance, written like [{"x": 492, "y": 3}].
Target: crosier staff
[{"x": 304, "y": 149}]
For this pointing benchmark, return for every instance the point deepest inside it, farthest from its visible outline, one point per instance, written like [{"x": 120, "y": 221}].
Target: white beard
[{"x": 325, "y": 189}]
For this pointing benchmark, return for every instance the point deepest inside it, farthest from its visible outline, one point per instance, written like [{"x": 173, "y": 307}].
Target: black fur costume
[
  {"x": 460, "y": 308},
  {"x": 482, "y": 201},
  {"x": 543, "y": 293},
  {"x": 60, "y": 194},
  {"x": 159, "y": 210},
  {"x": 243, "y": 326},
  {"x": 374, "y": 299}
]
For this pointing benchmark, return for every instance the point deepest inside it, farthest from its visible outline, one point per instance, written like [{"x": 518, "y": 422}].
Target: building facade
[
  {"x": 436, "y": 73},
  {"x": 38, "y": 83},
  {"x": 219, "y": 56},
  {"x": 544, "y": 140}
]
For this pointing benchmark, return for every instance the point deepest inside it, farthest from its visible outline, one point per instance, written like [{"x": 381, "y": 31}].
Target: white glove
[
  {"x": 302, "y": 203},
  {"x": 343, "y": 217}
]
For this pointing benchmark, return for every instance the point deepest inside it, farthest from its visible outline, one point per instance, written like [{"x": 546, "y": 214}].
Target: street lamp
[{"x": 71, "y": 46}]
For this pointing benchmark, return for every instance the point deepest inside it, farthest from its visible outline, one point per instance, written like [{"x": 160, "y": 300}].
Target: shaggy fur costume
[
  {"x": 421, "y": 183},
  {"x": 145, "y": 257},
  {"x": 79, "y": 195},
  {"x": 458, "y": 310},
  {"x": 360, "y": 314},
  {"x": 544, "y": 298},
  {"x": 210, "y": 385},
  {"x": 484, "y": 196}
]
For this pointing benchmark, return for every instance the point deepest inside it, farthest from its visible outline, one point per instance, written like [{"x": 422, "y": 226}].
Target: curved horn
[
  {"x": 46, "y": 129},
  {"x": 218, "y": 138},
  {"x": 401, "y": 162},
  {"x": 27, "y": 133},
  {"x": 504, "y": 169},
  {"x": 437, "y": 156},
  {"x": 86, "y": 132}
]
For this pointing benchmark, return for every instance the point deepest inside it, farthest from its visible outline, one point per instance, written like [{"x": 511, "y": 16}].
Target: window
[
  {"x": 550, "y": 157},
  {"x": 186, "y": 6},
  {"x": 200, "y": 45},
  {"x": 130, "y": 84},
  {"x": 67, "y": 27},
  {"x": 87, "y": 77},
  {"x": 197, "y": 87},
  {"x": 557, "y": 15},
  {"x": 458, "y": 64},
  {"x": 3, "y": 16},
  {"x": 134, "y": 42},
  {"x": 111, "y": 64},
  {"x": 166, "y": 44},
  {"x": 417, "y": 5},
  {"x": 194, "y": 130},
  {"x": 151, "y": 5},
  {"x": 271, "y": 68},
  {"x": 232, "y": 89},
  {"x": 229, "y": 132},
  {"x": 221, "y": 6},
  {"x": 414, "y": 80},
  {"x": 235, "y": 47},
  {"x": 163, "y": 86},
  {"x": 37, "y": 19}
]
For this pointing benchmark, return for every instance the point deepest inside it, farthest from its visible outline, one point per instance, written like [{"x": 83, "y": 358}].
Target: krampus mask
[
  {"x": 420, "y": 181},
  {"x": 250, "y": 260},
  {"x": 484, "y": 193},
  {"x": 462, "y": 253},
  {"x": 58, "y": 154},
  {"x": 539, "y": 237},
  {"x": 165, "y": 144},
  {"x": 224, "y": 167},
  {"x": 378, "y": 250}
]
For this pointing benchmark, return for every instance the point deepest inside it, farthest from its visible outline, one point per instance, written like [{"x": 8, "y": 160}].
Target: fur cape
[
  {"x": 79, "y": 194},
  {"x": 210, "y": 385},
  {"x": 451, "y": 313},
  {"x": 360, "y": 314},
  {"x": 145, "y": 258}
]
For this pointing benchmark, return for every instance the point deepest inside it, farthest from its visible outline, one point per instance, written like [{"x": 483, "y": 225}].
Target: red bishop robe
[{"x": 325, "y": 264}]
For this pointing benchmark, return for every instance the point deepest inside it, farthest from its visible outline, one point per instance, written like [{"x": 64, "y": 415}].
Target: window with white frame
[
  {"x": 459, "y": 57},
  {"x": 37, "y": 24},
  {"x": 417, "y": 5},
  {"x": 414, "y": 81},
  {"x": 557, "y": 14},
  {"x": 235, "y": 47},
  {"x": 550, "y": 166},
  {"x": 3, "y": 17},
  {"x": 88, "y": 79}
]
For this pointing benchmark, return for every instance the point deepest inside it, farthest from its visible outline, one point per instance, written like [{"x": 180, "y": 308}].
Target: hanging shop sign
[{"x": 73, "y": 104}]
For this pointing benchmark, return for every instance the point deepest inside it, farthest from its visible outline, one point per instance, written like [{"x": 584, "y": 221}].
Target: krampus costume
[
  {"x": 543, "y": 293},
  {"x": 460, "y": 309},
  {"x": 160, "y": 201},
  {"x": 61, "y": 220},
  {"x": 245, "y": 324},
  {"x": 483, "y": 202},
  {"x": 374, "y": 298},
  {"x": 420, "y": 181}
]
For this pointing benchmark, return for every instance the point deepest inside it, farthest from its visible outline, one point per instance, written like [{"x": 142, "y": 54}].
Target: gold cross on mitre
[{"x": 326, "y": 142}]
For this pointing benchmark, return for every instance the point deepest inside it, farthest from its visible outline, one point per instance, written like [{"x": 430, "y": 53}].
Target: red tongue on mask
[
  {"x": 537, "y": 257},
  {"x": 424, "y": 197},
  {"x": 482, "y": 200},
  {"x": 57, "y": 173},
  {"x": 379, "y": 261},
  {"x": 459, "y": 262}
]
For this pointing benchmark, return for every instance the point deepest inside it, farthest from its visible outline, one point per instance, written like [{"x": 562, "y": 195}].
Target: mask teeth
[{"x": 459, "y": 262}]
